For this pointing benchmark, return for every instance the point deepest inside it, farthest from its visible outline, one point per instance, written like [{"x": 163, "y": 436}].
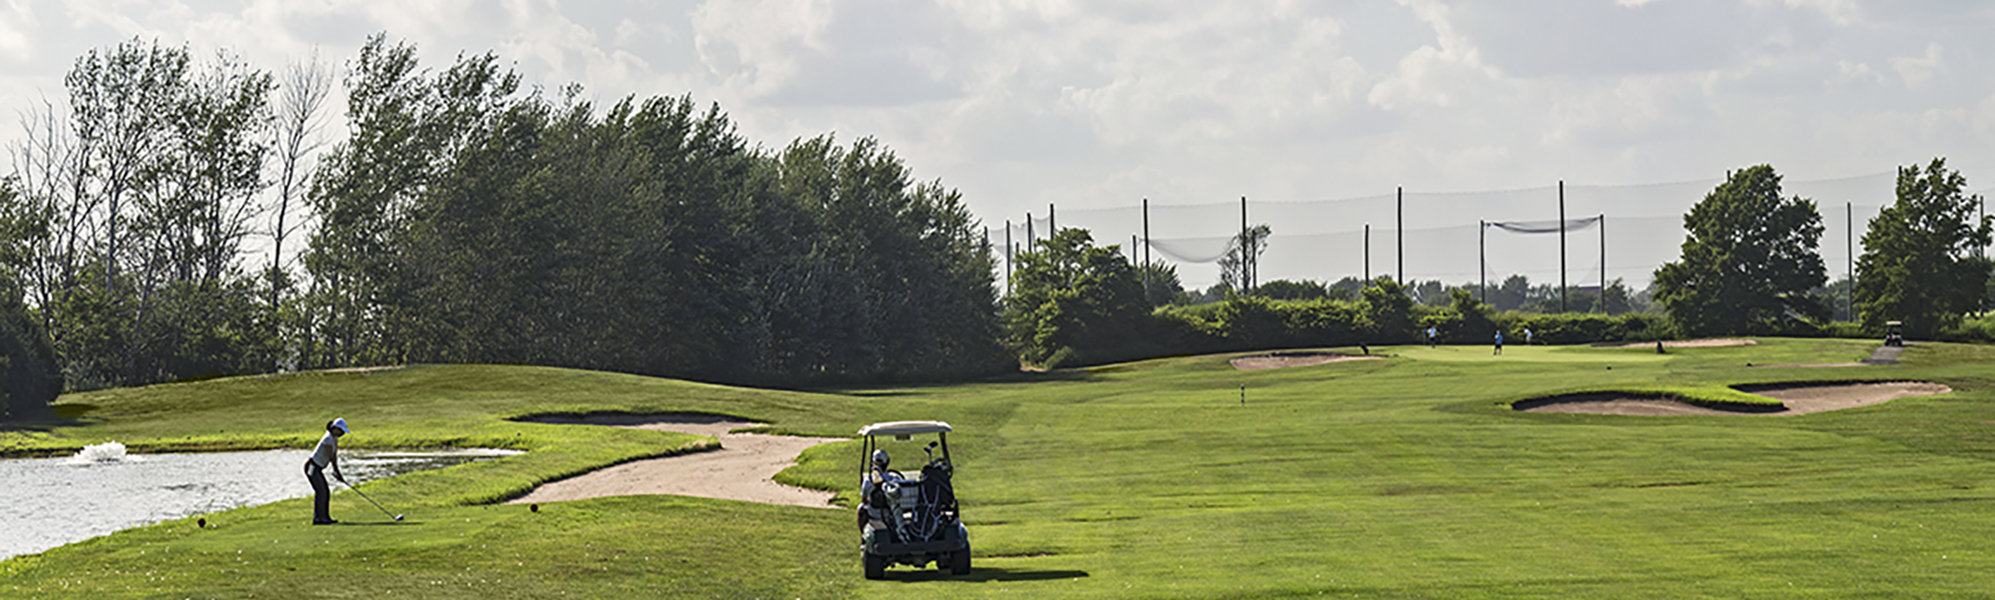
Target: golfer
[
  {"x": 1499, "y": 341},
  {"x": 1527, "y": 336},
  {"x": 324, "y": 457},
  {"x": 1430, "y": 337}
]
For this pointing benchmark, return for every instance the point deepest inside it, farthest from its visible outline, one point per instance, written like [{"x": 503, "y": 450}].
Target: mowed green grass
[{"x": 1403, "y": 477}]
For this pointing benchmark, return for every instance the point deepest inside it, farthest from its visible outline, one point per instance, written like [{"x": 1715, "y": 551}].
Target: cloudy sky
[{"x": 1099, "y": 104}]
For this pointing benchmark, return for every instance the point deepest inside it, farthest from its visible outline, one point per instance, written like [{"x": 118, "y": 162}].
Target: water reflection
[{"x": 48, "y": 502}]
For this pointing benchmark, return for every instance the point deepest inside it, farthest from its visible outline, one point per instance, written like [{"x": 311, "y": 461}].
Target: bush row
[{"x": 1252, "y": 323}]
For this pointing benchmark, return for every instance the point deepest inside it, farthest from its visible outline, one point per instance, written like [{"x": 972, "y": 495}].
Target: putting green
[{"x": 1406, "y": 477}]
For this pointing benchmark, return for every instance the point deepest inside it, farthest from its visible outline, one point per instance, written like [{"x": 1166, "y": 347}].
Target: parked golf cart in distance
[
  {"x": 910, "y": 519},
  {"x": 1894, "y": 333}
]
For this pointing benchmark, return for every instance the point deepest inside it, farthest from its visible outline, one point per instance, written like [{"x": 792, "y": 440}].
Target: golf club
[{"x": 371, "y": 501}]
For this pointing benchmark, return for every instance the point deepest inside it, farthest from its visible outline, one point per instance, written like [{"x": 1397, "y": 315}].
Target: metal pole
[
  {"x": 1849, "y": 255},
  {"x": 1146, "y": 240},
  {"x": 1601, "y": 302},
  {"x": 1482, "y": 260},
  {"x": 1247, "y": 258},
  {"x": 1562, "y": 245},
  {"x": 1400, "y": 193},
  {"x": 1008, "y": 247},
  {"x": 1030, "y": 239},
  {"x": 1052, "y": 222},
  {"x": 1368, "y": 254}
]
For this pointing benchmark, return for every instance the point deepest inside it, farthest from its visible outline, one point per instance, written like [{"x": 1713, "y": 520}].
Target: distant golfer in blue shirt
[{"x": 1499, "y": 341}]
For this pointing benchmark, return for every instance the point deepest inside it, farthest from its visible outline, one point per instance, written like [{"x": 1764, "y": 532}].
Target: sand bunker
[
  {"x": 744, "y": 468},
  {"x": 1280, "y": 360},
  {"x": 1800, "y": 399},
  {"x": 1704, "y": 343}
]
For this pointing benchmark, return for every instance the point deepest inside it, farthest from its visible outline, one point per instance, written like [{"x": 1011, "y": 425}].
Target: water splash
[{"x": 107, "y": 452}]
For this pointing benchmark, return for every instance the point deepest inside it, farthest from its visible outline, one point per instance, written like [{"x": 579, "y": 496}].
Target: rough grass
[{"x": 1400, "y": 478}]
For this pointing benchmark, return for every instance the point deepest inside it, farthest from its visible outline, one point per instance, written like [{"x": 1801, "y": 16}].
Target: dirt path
[
  {"x": 1800, "y": 399},
  {"x": 743, "y": 468}
]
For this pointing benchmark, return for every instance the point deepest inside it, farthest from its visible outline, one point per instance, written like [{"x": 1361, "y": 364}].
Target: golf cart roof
[
  {"x": 1893, "y": 323},
  {"x": 905, "y": 428}
]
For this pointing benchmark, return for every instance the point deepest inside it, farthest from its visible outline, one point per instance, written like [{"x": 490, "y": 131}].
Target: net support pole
[
  {"x": 1007, "y": 257},
  {"x": 1601, "y": 302},
  {"x": 1399, "y": 193},
  {"x": 1146, "y": 246},
  {"x": 1246, "y": 250},
  {"x": 1368, "y": 254},
  {"x": 1052, "y": 222},
  {"x": 1849, "y": 256},
  {"x": 1242, "y": 246},
  {"x": 1482, "y": 260},
  {"x": 1562, "y": 245},
  {"x": 1030, "y": 239}
]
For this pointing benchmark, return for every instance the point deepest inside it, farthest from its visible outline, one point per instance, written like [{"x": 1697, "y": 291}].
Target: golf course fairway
[{"x": 1407, "y": 477}]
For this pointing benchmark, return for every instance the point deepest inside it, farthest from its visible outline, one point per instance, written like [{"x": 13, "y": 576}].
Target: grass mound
[{"x": 1712, "y": 397}]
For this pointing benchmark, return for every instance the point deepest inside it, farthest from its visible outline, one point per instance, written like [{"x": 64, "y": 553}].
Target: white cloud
[
  {"x": 1843, "y": 12},
  {"x": 811, "y": 52},
  {"x": 1925, "y": 71},
  {"x": 1442, "y": 74},
  {"x": 1636, "y": 110},
  {"x": 1854, "y": 74}
]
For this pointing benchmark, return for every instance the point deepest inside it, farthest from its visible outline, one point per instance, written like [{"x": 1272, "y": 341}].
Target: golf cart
[
  {"x": 909, "y": 518},
  {"x": 1894, "y": 334}
]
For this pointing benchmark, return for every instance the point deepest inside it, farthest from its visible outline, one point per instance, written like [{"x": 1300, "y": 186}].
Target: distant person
[
  {"x": 1499, "y": 341},
  {"x": 1527, "y": 336},
  {"x": 1430, "y": 337},
  {"x": 326, "y": 456}
]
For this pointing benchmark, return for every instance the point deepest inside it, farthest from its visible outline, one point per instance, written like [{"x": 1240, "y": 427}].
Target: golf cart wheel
[
  {"x": 959, "y": 563},
  {"x": 876, "y": 565}
]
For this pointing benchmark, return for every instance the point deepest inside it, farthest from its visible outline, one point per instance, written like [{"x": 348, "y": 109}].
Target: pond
[{"x": 49, "y": 502}]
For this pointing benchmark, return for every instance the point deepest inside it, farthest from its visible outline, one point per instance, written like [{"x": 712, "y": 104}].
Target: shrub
[{"x": 29, "y": 376}]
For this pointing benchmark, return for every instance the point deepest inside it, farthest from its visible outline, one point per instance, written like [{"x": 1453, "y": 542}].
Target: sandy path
[
  {"x": 1800, "y": 400},
  {"x": 743, "y": 468},
  {"x": 1282, "y": 360}
]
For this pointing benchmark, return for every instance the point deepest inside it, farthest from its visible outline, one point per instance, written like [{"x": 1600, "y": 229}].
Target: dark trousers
[{"x": 321, "y": 495}]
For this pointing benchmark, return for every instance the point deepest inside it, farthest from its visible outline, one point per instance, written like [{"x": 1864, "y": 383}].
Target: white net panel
[
  {"x": 1552, "y": 226},
  {"x": 1325, "y": 240},
  {"x": 1193, "y": 250}
]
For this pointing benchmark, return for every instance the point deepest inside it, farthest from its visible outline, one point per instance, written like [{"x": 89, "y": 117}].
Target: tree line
[{"x": 466, "y": 217}]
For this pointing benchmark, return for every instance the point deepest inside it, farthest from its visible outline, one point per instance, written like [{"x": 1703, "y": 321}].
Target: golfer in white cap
[{"x": 323, "y": 457}]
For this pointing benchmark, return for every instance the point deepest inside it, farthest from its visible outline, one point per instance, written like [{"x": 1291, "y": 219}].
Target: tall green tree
[
  {"x": 467, "y": 220},
  {"x": 1920, "y": 262},
  {"x": 1748, "y": 260},
  {"x": 1240, "y": 268},
  {"x": 1388, "y": 309},
  {"x": 146, "y": 191},
  {"x": 1070, "y": 297},
  {"x": 30, "y": 377},
  {"x": 1161, "y": 285}
]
